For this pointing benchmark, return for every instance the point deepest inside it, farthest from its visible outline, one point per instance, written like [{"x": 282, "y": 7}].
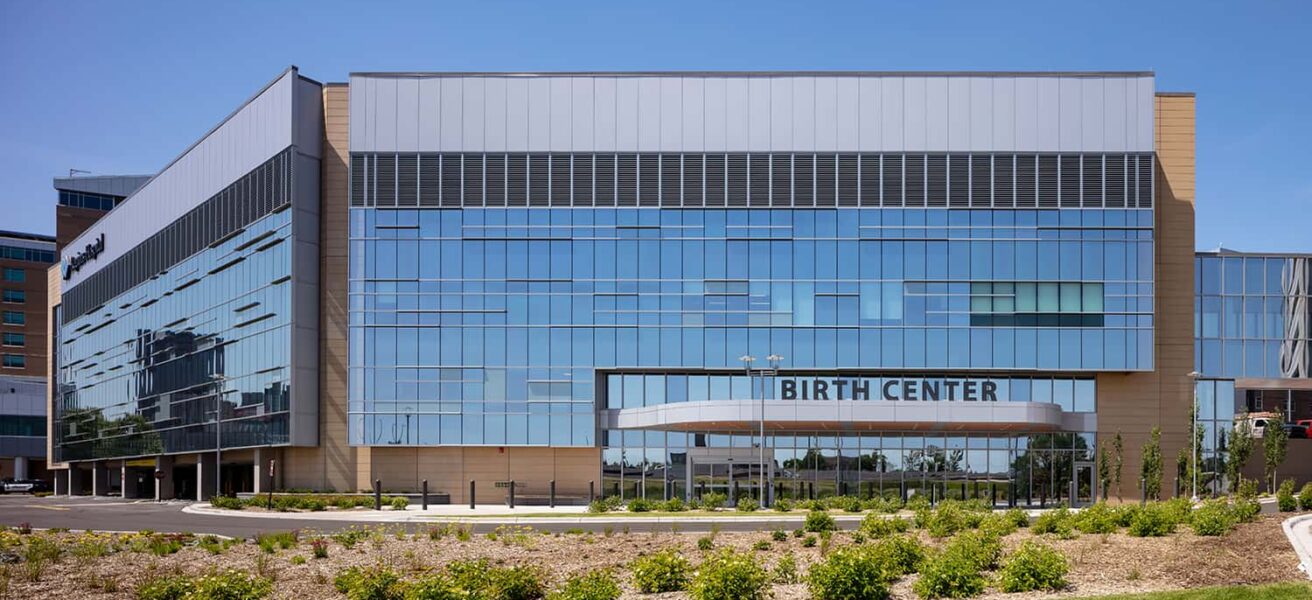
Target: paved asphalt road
[{"x": 112, "y": 514}]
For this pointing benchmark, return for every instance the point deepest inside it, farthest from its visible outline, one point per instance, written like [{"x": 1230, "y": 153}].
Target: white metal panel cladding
[
  {"x": 762, "y": 113},
  {"x": 259, "y": 130}
]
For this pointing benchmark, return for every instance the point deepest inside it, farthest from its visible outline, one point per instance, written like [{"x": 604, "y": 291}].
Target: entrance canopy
[{"x": 840, "y": 415}]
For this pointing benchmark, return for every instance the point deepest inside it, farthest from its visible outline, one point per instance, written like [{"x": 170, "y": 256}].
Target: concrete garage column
[
  {"x": 20, "y": 467},
  {"x": 99, "y": 479},
  {"x": 163, "y": 485},
  {"x": 206, "y": 465},
  {"x": 263, "y": 483},
  {"x": 135, "y": 482},
  {"x": 79, "y": 481}
]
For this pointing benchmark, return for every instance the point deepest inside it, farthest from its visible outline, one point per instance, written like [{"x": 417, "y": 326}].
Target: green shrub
[
  {"x": 883, "y": 505},
  {"x": 917, "y": 502},
  {"x": 434, "y": 586},
  {"x": 1305, "y": 497},
  {"x": 981, "y": 549},
  {"x": 593, "y": 585},
  {"x": 713, "y": 501},
  {"x": 730, "y": 575},
  {"x": 664, "y": 571},
  {"x": 850, "y": 504},
  {"x": 400, "y": 503},
  {"x": 1213, "y": 518},
  {"x": 1125, "y": 514},
  {"x": 943, "y": 521},
  {"x": 779, "y": 535},
  {"x": 598, "y": 506},
  {"x": 949, "y": 575},
  {"x": 230, "y": 585},
  {"x": 878, "y": 526},
  {"x": 512, "y": 583},
  {"x": 782, "y": 505},
  {"x": 640, "y": 505},
  {"x": 675, "y": 504},
  {"x": 1178, "y": 510},
  {"x": 1033, "y": 566},
  {"x": 998, "y": 524},
  {"x": 902, "y": 554},
  {"x": 1059, "y": 522},
  {"x": 369, "y": 583},
  {"x": 165, "y": 588},
  {"x": 815, "y": 505},
  {"x": 808, "y": 541},
  {"x": 853, "y": 573},
  {"x": 228, "y": 502},
  {"x": 785, "y": 571},
  {"x": 817, "y": 521},
  {"x": 1285, "y": 496},
  {"x": 298, "y": 560},
  {"x": 1098, "y": 518},
  {"x": 279, "y": 540},
  {"x": 1152, "y": 520},
  {"x": 350, "y": 536},
  {"x": 1018, "y": 517},
  {"x": 705, "y": 543},
  {"x": 470, "y": 576},
  {"x": 747, "y": 505},
  {"x": 1245, "y": 510}
]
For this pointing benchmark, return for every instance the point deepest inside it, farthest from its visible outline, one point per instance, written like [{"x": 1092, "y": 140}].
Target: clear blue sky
[{"x": 115, "y": 87}]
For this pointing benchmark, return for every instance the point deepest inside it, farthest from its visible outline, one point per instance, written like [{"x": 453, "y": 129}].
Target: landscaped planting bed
[{"x": 954, "y": 549}]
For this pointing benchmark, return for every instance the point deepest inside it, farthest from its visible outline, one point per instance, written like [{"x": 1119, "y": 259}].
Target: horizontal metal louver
[
  {"x": 871, "y": 181},
  {"x": 715, "y": 180},
  {"x": 758, "y": 190},
  {"x": 826, "y": 180},
  {"x": 781, "y": 179},
  {"x": 1091, "y": 181},
  {"x": 451, "y": 176},
  {"x": 803, "y": 180},
  {"x": 1068, "y": 170},
  {"x": 1048, "y": 181},
  {"x": 517, "y": 180},
  {"x": 604, "y": 187},
  {"x": 914, "y": 183},
  {"x": 849, "y": 173},
  {"x": 1145, "y": 180},
  {"x": 385, "y": 180},
  {"x": 539, "y": 180},
  {"x": 671, "y": 180},
  {"x": 1004, "y": 181},
  {"x": 561, "y": 179},
  {"x": 430, "y": 179},
  {"x": 1115, "y": 181},
  {"x": 494, "y": 188},
  {"x": 473, "y": 180},
  {"x": 736, "y": 180},
  {"x": 407, "y": 180},
  {"x": 649, "y": 180},
  {"x": 936, "y": 180},
  {"x": 892, "y": 179},
  {"x": 583, "y": 177},
  {"x": 981, "y": 181},
  {"x": 693, "y": 173},
  {"x": 627, "y": 169},
  {"x": 358, "y": 179}
]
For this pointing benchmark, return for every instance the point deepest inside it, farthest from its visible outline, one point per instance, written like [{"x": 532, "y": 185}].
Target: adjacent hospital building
[{"x": 956, "y": 284}]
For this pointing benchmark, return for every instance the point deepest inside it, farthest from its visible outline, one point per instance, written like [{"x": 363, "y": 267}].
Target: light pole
[
  {"x": 1193, "y": 435},
  {"x": 774, "y": 360},
  {"x": 747, "y": 361}
]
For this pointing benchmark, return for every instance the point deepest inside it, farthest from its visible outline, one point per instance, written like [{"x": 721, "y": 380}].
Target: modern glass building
[{"x": 666, "y": 284}]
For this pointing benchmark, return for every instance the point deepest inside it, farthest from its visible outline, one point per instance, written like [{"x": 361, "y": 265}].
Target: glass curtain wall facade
[
  {"x": 156, "y": 368},
  {"x": 481, "y": 324}
]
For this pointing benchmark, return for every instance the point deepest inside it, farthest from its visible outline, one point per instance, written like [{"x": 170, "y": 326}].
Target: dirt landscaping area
[{"x": 104, "y": 566}]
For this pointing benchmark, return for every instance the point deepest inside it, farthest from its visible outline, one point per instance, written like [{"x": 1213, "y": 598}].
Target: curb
[{"x": 1302, "y": 545}]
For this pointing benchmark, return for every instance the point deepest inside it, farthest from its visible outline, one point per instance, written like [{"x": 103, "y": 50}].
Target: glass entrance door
[{"x": 1085, "y": 492}]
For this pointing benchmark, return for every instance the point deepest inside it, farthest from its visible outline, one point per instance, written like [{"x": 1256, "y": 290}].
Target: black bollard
[
  {"x": 591, "y": 495},
  {"x": 425, "y": 496},
  {"x": 551, "y": 502},
  {"x": 512, "y": 493},
  {"x": 1143, "y": 491},
  {"x": 471, "y": 494},
  {"x": 378, "y": 494}
]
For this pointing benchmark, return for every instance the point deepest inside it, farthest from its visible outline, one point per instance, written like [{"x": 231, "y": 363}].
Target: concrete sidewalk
[{"x": 1299, "y": 531}]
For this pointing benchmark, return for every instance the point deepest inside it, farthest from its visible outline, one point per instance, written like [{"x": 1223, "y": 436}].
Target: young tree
[
  {"x": 1150, "y": 467},
  {"x": 1275, "y": 443},
  {"x": 1182, "y": 473},
  {"x": 1104, "y": 469},
  {"x": 1241, "y": 448},
  {"x": 1118, "y": 448}
]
